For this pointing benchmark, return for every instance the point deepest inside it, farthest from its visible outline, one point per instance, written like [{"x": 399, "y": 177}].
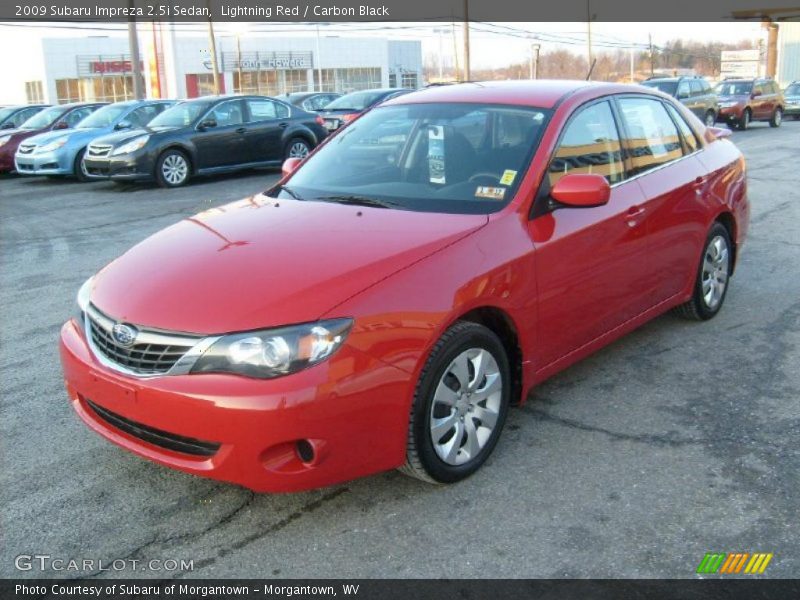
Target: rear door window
[
  {"x": 264, "y": 110},
  {"x": 697, "y": 89},
  {"x": 686, "y": 131},
  {"x": 590, "y": 144},
  {"x": 683, "y": 89},
  {"x": 652, "y": 137}
]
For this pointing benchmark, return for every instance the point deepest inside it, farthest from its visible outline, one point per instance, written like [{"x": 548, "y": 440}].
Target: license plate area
[{"x": 109, "y": 392}]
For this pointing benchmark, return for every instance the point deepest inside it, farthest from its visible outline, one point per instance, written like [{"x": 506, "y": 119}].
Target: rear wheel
[
  {"x": 713, "y": 276},
  {"x": 711, "y": 118},
  {"x": 297, "y": 148},
  {"x": 79, "y": 168},
  {"x": 460, "y": 405},
  {"x": 777, "y": 118},
  {"x": 172, "y": 169}
]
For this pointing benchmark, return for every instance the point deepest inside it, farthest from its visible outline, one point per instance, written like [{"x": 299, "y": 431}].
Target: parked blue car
[{"x": 61, "y": 152}]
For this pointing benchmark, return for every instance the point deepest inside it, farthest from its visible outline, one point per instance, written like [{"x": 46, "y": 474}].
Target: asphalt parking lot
[{"x": 678, "y": 440}]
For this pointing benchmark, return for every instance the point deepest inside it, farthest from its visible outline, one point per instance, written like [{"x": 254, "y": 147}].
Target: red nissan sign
[{"x": 110, "y": 66}]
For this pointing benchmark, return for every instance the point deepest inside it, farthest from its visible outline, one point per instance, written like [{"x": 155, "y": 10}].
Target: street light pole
[
  {"x": 467, "y": 75},
  {"x": 534, "y": 66},
  {"x": 318, "y": 88},
  {"x": 136, "y": 63},
  {"x": 212, "y": 41}
]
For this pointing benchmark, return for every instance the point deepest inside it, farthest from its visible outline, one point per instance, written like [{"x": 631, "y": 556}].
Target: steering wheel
[{"x": 477, "y": 176}]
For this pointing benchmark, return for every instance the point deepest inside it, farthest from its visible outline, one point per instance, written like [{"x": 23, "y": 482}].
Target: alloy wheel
[
  {"x": 175, "y": 169},
  {"x": 778, "y": 117},
  {"x": 710, "y": 119},
  {"x": 298, "y": 150},
  {"x": 715, "y": 271},
  {"x": 466, "y": 406}
]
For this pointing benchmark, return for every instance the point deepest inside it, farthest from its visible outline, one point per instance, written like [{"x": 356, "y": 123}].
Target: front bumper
[
  {"x": 730, "y": 113},
  {"x": 792, "y": 109},
  {"x": 6, "y": 159},
  {"x": 127, "y": 167},
  {"x": 47, "y": 163},
  {"x": 351, "y": 409}
]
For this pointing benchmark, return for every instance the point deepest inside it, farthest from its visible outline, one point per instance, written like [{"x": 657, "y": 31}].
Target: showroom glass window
[
  {"x": 653, "y": 138},
  {"x": 590, "y": 144}
]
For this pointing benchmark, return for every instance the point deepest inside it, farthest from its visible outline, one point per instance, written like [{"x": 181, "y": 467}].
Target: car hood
[
  {"x": 74, "y": 136},
  {"x": 261, "y": 263},
  {"x": 118, "y": 138},
  {"x": 21, "y": 134}
]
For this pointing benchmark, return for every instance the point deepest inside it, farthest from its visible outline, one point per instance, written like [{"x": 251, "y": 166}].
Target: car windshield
[
  {"x": 733, "y": 88},
  {"x": 452, "y": 158},
  {"x": 103, "y": 117},
  {"x": 792, "y": 90},
  {"x": 44, "y": 118},
  {"x": 180, "y": 115},
  {"x": 6, "y": 112},
  {"x": 668, "y": 87},
  {"x": 355, "y": 101}
]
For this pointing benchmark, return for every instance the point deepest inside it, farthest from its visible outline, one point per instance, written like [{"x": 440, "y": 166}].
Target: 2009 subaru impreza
[{"x": 399, "y": 289}]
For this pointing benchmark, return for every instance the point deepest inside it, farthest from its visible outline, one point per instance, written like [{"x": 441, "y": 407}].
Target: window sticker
[
  {"x": 436, "y": 156},
  {"x": 492, "y": 193},
  {"x": 508, "y": 177}
]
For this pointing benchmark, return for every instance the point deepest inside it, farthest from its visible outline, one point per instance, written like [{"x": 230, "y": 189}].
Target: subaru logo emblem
[{"x": 124, "y": 334}]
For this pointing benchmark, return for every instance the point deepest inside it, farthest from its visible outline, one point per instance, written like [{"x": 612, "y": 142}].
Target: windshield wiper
[
  {"x": 290, "y": 191},
  {"x": 358, "y": 200}
]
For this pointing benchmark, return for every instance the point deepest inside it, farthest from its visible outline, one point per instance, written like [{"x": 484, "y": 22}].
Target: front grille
[
  {"x": 26, "y": 148},
  {"x": 163, "y": 439},
  {"x": 152, "y": 353},
  {"x": 98, "y": 150}
]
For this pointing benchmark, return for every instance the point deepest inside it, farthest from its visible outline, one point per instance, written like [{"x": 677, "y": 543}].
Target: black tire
[
  {"x": 422, "y": 460},
  {"x": 293, "y": 146},
  {"x": 744, "y": 123},
  {"x": 777, "y": 118},
  {"x": 77, "y": 168},
  {"x": 697, "y": 309},
  {"x": 168, "y": 156},
  {"x": 711, "y": 118}
]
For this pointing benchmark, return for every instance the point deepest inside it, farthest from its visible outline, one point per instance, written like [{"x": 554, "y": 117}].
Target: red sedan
[{"x": 387, "y": 301}]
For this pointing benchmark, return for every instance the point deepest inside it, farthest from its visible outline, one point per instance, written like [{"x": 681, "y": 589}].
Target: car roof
[
  {"x": 540, "y": 93},
  {"x": 72, "y": 105}
]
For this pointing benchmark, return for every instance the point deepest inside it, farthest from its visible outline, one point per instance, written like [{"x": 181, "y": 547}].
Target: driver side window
[{"x": 589, "y": 144}]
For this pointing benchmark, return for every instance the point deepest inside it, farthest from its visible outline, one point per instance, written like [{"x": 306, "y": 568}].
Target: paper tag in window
[
  {"x": 492, "y": 193},
  {"x": 508, "y": 177},
  {"x": 436, "y": 156}
]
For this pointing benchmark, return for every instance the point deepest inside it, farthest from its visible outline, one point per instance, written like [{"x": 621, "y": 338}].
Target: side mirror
[
  {"x": 61, "y": 125},
  {"x": 123, "y": 125},
  {"x": 755, "y": 94},
  {"x": 290, "y": 166},
  {"x": 207, "y": 123},
  {"x": 581, "y": 190}
]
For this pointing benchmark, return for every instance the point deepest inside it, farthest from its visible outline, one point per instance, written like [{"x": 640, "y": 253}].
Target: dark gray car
[
  {"x": 693, "y": 92},
  {"x": 792, "y": 96}
]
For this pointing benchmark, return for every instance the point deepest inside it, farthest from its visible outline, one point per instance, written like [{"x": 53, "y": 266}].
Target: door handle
[
  {"x": 632, "y": 216},
  {"x": 241, "y": 130},
  {"x": 283, "y": 125},
  {"x": 699, "y": 185}
]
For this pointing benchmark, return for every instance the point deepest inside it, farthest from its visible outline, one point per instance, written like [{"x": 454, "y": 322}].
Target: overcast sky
[{"x": 493, "y": 44}]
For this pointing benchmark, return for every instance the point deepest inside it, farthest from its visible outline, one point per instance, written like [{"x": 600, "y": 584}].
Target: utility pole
[
  {"x": 212, "y": 41},
  {"x": 318, "y": 59},
  {"x": 467, "y": 75},
  {"x": 457, "y": 74},
  {"x": 534, "y": 66},
  {"x": 239, "y": 61},
  {"x": 652, "y": 57},
  {"x": 632, "y": 65},
  {"x": 136, "y": 63},
  {"x": 589, "y": 33}
]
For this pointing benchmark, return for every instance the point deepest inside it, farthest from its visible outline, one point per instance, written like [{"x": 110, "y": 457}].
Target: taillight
[{"x": 319, "y": 120}]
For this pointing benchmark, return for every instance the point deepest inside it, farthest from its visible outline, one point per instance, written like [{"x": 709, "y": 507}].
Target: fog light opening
[{"x": 305, "y": 451}]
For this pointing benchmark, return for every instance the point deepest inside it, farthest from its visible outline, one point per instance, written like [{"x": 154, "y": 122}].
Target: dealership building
[{"x": 177, "y": 65}]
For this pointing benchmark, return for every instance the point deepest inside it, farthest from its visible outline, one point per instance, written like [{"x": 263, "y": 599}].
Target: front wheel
[
  {"x": 79, "y": 168},
  {"x": 713, "y": 276},
  {"x": 744, "y": 122},
  {"x": 711, "y": 118},
  {"x": 172, "y": 169},
  {"x": 460, "y": 405},
  {"x": 777, "y": 118}
]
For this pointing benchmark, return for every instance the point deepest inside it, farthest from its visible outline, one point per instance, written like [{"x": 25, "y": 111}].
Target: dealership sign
[
  {"x": 740, "y": 63},
  {"x": 100, "y": 65},
  {"x": 265, "y": 61}
]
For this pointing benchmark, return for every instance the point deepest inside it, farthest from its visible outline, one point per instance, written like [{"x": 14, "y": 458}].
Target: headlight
[
  {"x": 52, "y": 145},
  {"x": 274, "y": 352},
  {"x": 84, "y": 296},
  {"x": 4, "y": 139},
  {"x": 132, "y": 146}
]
